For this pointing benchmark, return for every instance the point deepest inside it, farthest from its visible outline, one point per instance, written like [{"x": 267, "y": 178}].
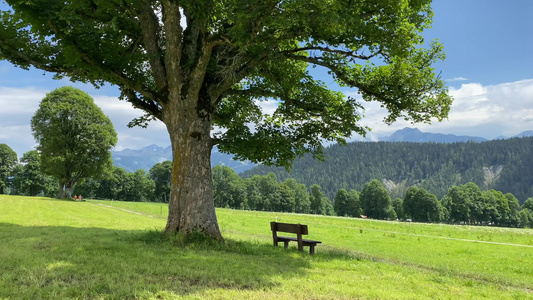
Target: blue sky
[{"x": 489, "y": 70}]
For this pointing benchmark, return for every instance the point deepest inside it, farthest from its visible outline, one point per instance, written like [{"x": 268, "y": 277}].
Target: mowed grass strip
[{"x": 61, "y": 249}]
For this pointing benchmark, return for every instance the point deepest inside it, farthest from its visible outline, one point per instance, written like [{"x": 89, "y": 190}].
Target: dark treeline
[
  {"x": 26, "y": 178},
  {"x": 503, "y": 165},
  {"x": 463, "y": 204},
  {"x": 140, "y": 186}
]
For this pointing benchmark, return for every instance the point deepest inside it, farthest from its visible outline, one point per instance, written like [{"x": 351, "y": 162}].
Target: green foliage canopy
[
  {"x": 233, "y": 54},
  {"x": 301, "y": 195}
]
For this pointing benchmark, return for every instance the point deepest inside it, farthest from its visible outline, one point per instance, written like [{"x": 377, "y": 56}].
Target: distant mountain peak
[
  {"x": 152, "y": 147},
  {"x": 415, "y": 135},
  {"x": 525, "y": 134},
  {"x": 146, "y": 157}
]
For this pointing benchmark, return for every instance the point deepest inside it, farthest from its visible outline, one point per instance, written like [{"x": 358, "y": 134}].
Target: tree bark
[
  {"x": 61, "y": 193},
  {"x": 191, "y": 205},
  {"x": 65, "y": 190},
  {"x": 68, "y": 190}
]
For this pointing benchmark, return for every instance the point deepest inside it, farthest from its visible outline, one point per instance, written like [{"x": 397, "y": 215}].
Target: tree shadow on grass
[{"x": 70, "y": 262}]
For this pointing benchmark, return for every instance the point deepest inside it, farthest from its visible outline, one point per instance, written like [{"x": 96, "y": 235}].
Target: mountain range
[
  {"x": 145, "y": 158},
  {"x": 503, "y": 165}
]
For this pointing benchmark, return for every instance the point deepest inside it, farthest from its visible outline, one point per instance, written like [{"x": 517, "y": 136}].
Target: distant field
[{"x": 113, "y": 250}]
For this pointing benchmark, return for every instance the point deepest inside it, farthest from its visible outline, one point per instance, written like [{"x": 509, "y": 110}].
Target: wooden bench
[{"x": 298, "y": 229}]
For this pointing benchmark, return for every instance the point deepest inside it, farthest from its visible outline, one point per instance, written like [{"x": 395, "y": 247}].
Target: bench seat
[{"x": 305, "y": 242}]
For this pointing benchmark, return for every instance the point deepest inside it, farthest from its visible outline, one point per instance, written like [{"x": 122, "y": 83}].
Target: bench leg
[
  {"x": 286, "y": 244},
  {"x": 312, "y": 249}
]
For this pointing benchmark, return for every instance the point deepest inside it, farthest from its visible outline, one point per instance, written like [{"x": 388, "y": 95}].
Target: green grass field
[{"x": 51, "y": 249}]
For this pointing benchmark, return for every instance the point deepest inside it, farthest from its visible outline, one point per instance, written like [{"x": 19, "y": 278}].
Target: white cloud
[
  {"x": 457, "y": 79},
  {"x": 487, "y": 111},
  {"x": 268, "y": 106}
]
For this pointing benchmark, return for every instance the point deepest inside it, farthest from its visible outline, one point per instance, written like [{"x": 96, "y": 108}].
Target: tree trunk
[
  {"x": 65, "y": 190},
  {"x": 191, "y": 203},
  {"x": 61, "y": 193},
  {"x": 68, "y": 190}
]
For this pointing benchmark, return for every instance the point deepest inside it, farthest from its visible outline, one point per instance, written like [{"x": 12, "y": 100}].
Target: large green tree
[
  {"x": 74, "y": 137},
  {"x": 199, "y": 64},
  {"x": 8, "y": 161}
]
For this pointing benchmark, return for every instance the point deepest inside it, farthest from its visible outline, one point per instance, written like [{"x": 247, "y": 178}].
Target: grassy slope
[{"x": 58, "y": 249}]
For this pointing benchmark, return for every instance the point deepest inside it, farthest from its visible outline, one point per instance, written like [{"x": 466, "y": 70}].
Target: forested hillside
[{"x": 503, "y": 165}]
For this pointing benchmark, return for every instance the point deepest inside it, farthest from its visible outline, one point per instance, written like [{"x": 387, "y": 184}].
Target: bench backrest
[
  {"x": 290, "y": 228},
  {"x": 298, "y": 229}
]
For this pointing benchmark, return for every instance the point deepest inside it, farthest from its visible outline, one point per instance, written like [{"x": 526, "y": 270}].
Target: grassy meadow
[{"x": 51, "y": 249}]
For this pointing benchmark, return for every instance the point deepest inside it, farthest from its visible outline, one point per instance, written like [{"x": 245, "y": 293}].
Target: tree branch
[
  {"x": 151, "y": 108},
  {"x": 116, "y": 75},
  {"x": 245, "y": 67},
  {"x": 252, "y": 92},
  {"x": 352, "y": 54},
  {"x": 39, "y": 65},
  {"x": 173, "y": 43},
  {"x": 150, "y": 33},
  {"x": 338, "y": 72}
]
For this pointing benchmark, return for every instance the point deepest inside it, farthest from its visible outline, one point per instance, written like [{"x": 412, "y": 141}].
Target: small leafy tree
[
  {"x": 270, "y": 193},
  {"x": 340, "y": 204},
  {"x": 526, "y": 218},
  {"x": 229, "y": 188},
  {"x": 74, "y": 138},
  {"x": 141, "y": 186},
  {"x": 512, "y": 218},
  {"x": 253, "y": 196},
  {"x": 421, "y": 205},
  {"x": 160, "y": 174},
  {"x": 29, "y": 180},
  {"x": 302, "y": 204},
  {"x": 397, "y": 204},
  {"x": 528, "y": 204},
  {"x": 375, "y": 200},
  {"x": 355, "y": 203},
  {"x": 287, "y": 196},
  {"x": 8, "y": 161},
  {"x": 347, "y": 204},
  {"x": 318, "y": 200}
]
